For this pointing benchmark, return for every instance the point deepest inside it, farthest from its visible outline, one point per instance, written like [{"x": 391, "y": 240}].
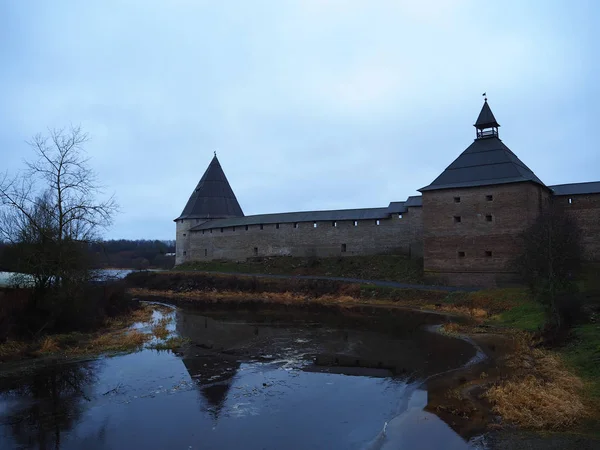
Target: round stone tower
[{"x": 212, "y": 199}]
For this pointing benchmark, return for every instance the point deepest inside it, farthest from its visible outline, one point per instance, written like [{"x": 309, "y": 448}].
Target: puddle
[{"x": 248, "y": 381}]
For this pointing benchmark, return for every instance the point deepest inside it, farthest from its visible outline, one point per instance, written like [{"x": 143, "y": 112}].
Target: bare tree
[{"x": 52, "y": 210}]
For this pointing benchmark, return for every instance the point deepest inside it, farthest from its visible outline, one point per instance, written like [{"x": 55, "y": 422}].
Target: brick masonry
[
  {"x": 342, "y": 238},
  {"x": 466, "y": 236},
  {"x": 585, "y": 209},
  {"x": 471, "y": 235}
]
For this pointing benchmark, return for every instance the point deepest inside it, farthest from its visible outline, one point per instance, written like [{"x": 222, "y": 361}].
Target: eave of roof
[
  {"x": 486, "y": 117},
  {"x": 312, "y": 216},
  {"x": 590, "y": 187},
  {"x": 213, "y": 197},
  {"x": 487, "y": 161},
  {"x": 414, "y": 201}
]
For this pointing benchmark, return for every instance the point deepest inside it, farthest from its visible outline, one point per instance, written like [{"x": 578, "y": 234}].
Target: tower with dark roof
[
  {"x": 467, "y": 225},
  {"x": 212, "y": 199},
  {"x": 476, "y": 209}
]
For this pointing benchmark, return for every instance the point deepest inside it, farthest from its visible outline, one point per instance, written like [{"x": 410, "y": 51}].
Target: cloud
[{"x": 309, "y": 103}]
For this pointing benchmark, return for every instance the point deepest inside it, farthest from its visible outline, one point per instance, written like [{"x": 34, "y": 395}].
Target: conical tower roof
[
  {"x": 486, "y": 117},
  {"x": 487, "y": 161},
  {"x": 213, "y": 197}
]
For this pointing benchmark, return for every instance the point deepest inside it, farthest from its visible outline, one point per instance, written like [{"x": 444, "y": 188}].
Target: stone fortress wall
[
  {"x": 399, "y": 233},
  {"x": 473, "y": 234},
  {"x": 467, "y": 224},
  {"x": 585, "y": 209}
]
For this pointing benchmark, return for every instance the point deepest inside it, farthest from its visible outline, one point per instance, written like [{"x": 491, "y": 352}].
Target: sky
[{"x": 309, "y": 104}]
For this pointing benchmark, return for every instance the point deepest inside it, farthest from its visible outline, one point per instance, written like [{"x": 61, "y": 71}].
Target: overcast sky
[{"x": 310, "y": 104}]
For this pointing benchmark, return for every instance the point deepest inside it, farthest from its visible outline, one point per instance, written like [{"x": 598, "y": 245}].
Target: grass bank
[
  {"x": 540, "y": 387},
  {"x": 115, "y": 336},
  {"x": 526, "y": 384},
  {"x": 377, "y": 267},
  {"x": 204, "y": 289}
]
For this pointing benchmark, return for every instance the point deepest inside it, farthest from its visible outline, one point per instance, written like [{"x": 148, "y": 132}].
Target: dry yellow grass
[
  {"x": 12, "y": 348},
  {"x": 288, "y": 298},
  {"x": 159, "y": 329},
  {"x": 142, "y": 314},
  {"x": 450, "y": 328},
  {"x": 348, "y": 297},
  {"x": 114, "y": 337},
  {"x": 478, "y": 314},
  {"x": 116, "y": 341},
  {"x": 540, "y": 393},
  {"x": 49, "y": 345}
]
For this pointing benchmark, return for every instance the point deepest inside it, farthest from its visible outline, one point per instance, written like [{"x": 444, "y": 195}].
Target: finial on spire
[
  {"x": 484, "y": 96},
  {"x": 215, "y": 152},
  {"x": 486, "y": 123}
]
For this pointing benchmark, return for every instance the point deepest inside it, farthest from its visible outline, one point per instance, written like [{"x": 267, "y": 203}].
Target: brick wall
[
  {"x": 471, "y": 235},
  {"x": 487, "y": 224},
  {"x": 585, "y": 209},
  {"x": 392, "y": 234}
]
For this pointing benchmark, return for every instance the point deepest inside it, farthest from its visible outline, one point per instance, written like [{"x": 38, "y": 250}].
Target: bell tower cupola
[{"x": 486, "y": 124}]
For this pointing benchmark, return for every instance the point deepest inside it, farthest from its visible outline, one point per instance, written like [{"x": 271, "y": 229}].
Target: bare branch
[{"x": 54, "y": 206}]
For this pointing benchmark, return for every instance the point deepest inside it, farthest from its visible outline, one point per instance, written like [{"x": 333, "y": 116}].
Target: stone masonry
[
  {"x": 466, "y": 224},
  {"x": 475, "y": 231}
]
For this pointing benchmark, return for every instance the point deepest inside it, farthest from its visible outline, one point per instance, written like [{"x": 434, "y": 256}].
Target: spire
[
  {"x": 486, "y": 123},
  {"x": 486, "y": 162},
  {"x": 213, "y": 197}
]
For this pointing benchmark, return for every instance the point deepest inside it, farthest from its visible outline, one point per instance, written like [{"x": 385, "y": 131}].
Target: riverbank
[
  {"x": 125, "y": 333},
  {"x": 376, "y": 267},
  {"x": 307, "y": 292},
  {"x": 264, "y": 379},
  {"x": 522, "y": 384}
]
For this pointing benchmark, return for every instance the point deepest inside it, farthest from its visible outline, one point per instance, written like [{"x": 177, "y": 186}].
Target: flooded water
[
  {"x": 11, "y": 278},
  {"x": 246, "y": 381}
]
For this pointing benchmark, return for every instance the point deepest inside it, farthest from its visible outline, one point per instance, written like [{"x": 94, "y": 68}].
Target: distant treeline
[
  {"x": 138, "y": 254},
  {"x": 121, "y": 253}
]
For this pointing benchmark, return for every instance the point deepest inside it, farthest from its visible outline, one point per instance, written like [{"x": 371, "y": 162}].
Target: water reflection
[
  {"x": 352, "y": 345},
  {"x": 250, "y": 381},
  {"x": 214, "y": 377},
  {"x": 40, "y": 407}
]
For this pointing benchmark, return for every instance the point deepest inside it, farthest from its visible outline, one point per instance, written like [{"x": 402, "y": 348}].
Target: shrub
[{"x": 29, "y": 313}]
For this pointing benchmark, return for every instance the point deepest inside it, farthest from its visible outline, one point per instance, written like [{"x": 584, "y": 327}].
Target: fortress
[{"x": 466, "y": 225}]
